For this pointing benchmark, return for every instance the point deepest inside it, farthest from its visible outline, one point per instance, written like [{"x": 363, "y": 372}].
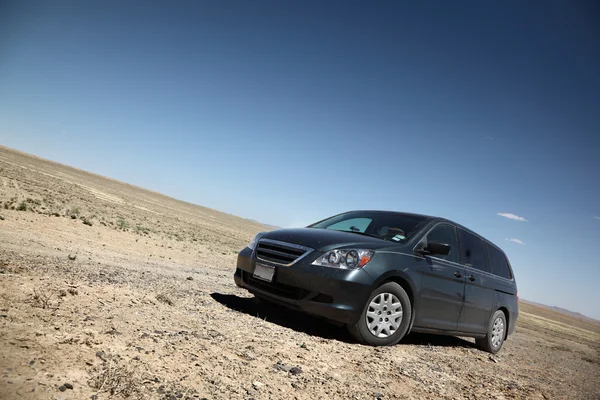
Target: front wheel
[
  {"x": 492, "y": 342},
  {"x": 385, "y": 318}
]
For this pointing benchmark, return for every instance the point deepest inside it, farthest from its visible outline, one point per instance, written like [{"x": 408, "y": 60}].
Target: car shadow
[
  {"x": 282, "y": 316},
  {"x": 320, "y": 327},
  {"x": 426, "y": 339}
]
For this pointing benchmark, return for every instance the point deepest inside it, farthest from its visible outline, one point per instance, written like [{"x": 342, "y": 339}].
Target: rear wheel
[
  {"x": 493, "y": 341},
  {"x": 385, "y": 318}
]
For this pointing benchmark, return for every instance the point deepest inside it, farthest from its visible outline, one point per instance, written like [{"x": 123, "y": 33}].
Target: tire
[
  {"x": 386, "y": 301},
  {"x": 496, "y": 331}
]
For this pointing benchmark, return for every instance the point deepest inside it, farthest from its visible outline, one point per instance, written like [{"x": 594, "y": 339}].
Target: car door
[
  {"x": 442, "y": 284},
  {"x": 479, "y": 285}
]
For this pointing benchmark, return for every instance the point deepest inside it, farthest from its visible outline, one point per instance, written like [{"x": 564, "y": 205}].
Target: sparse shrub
[
  {"x": 87, "y": 222},
  {"x": 141, "y": 229},
  {"x": 116, "y": 379},
  {"x": 163, "y": 298},
  {"x": 43, "y": 298},
  {"x": 122, "y": 224},
  {"x": 22, "y": 206},
  {"x": 1, "y": 218},
  {"x": 561, "y": 347},
  {"x": 591, "y": 360},
  {"x": 33, "y": 201}
]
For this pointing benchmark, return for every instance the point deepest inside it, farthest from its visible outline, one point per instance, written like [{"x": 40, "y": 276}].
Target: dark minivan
[{"x": 384, "y": 274}]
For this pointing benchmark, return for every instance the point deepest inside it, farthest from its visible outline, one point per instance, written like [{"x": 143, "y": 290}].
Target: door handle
[
  {"x": 471, "y": 278},
  {"x": 457, "y": 274}
]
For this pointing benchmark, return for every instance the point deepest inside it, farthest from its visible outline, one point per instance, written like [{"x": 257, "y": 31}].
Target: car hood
[{"x": 325, "y": 240}]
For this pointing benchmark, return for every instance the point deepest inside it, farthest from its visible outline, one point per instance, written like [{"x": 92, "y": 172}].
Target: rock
[
  {"x": 379, "y": 396},
  {"x": 282, "y": 367},
  {"x": 101, "y": 355},
  {"x": 68, "y": 386},
  {"x": 257, "y": 385},
  {"x": 72, "y": 257},
  {"x": 190, "y": 278},
  {"x": 62, "y": 388},
  {"x": 295, "y": 370},
  {"x": 89, "y": 363},
  {"x": 491, "y": 358}
]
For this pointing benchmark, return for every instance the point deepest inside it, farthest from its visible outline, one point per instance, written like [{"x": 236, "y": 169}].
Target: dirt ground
[{"x": 109, "y": 290}]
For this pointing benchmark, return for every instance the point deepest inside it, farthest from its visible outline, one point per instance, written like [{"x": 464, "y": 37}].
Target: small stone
[
  {"x": 190, "y": 278},
  {"x": 89, "y": 363},
  {"x": 62, "y": 388},
  {"x": 72, "y": 257},
  {"x": 257, "y": 385},
  {"x": 295, "y": 370},
  {"x": 101, "y": 355},
  {"x": 378, "y": 396},
  {"x": 68, "y": 386}
]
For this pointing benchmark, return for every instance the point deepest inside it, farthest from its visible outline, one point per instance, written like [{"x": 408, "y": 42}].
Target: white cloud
[
  {"x": 597, "y": 217},
  {"x": 512, "y": 216},
  {"x": 517, "y": 241}
]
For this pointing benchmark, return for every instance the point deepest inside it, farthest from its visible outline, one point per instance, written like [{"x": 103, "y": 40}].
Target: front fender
[{"x": 399, "y": 267}]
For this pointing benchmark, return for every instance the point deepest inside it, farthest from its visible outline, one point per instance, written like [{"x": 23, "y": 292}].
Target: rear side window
[
  {"x": 498, "y": 263},
  {"x": 472, "y": 251}
]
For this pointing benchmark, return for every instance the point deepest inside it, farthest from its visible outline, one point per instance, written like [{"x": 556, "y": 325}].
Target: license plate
[{"x": 264, "y": 272}]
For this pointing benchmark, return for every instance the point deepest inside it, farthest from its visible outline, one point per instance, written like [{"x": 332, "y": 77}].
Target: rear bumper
[{"x": 335, "y": 294}]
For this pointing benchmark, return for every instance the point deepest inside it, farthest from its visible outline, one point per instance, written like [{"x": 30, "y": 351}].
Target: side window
[
  {"x": 351, "y": 225},
  {"x": 498, "y": 263},
  {"x": 472, "y": 251},
  {"x": 445, "y": 234}
]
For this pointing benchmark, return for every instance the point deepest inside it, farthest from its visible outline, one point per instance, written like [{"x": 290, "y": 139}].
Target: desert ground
[{"x": 108, "y": 290}]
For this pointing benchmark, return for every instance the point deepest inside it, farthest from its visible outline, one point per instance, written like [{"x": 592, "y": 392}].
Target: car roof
[{"x": 434, "y": 219}]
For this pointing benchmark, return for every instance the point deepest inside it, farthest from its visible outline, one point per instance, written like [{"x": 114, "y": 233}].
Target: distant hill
[
  {"x": 562, "y": 311},
  {"x": 273, "y": 227}
]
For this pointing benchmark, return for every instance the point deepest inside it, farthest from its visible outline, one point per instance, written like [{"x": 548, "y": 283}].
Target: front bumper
[{"x": 336, "y": 294}]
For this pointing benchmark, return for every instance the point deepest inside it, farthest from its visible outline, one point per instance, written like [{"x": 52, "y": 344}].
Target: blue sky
[{"x": 288, "y": 112}]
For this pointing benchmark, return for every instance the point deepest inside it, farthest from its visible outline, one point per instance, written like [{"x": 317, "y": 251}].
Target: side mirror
[{"x": 436, "y": 248}]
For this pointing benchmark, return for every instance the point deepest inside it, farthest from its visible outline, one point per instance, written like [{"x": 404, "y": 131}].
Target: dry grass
[
  {"x": 165, "y": 298},
  {"x": 116, "y": 379},
  {"x": 44, "y": 298}
]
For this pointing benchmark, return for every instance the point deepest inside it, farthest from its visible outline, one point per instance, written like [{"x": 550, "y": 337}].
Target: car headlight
[
  {"x": 345, "y": 259},
  {"x": 254, "y": 241}
]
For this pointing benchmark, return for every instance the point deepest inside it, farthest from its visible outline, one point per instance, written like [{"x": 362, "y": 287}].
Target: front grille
[
  {"x": 279, "y": 289},
  {"x": 280, "y": 252}
]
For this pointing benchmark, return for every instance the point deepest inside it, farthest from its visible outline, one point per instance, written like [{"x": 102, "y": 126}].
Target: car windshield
[{"x": 392, "y": 226}]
